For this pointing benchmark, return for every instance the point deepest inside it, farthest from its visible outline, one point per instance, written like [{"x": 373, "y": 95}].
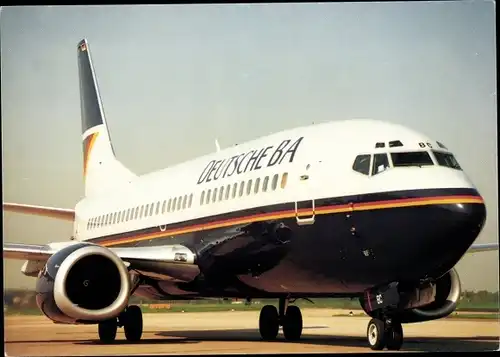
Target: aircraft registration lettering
[{"x": 250, "y": 161}]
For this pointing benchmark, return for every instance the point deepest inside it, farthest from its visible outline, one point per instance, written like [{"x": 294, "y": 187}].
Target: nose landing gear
[
  {"x": 289, "y": 317},
  {"x": 130, "y": 320},
  {"x": 384, "y": 333}
]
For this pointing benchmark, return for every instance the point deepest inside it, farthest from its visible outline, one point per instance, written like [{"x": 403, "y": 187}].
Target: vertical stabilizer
[{"x": 101, "y": 170}]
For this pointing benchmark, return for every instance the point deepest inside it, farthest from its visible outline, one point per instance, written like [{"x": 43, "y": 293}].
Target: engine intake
[
  {"x": 447, "y": 293},
  {"x": 83, "y": 283}
]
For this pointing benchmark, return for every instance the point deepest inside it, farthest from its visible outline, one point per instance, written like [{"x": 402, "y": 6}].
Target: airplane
[{"x": 359, "y": 208}]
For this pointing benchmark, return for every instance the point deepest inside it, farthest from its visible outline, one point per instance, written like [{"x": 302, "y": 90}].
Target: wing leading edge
[
  {"x": 482, "y": 247},
  {"x": 66, "y": 214},
  {"x": 175, "y": 261}
]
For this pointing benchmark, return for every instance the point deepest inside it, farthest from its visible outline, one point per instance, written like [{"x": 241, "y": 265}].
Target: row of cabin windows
[
  {"x": 148, "y": 210},
  {"x": 224, "y": 192}
]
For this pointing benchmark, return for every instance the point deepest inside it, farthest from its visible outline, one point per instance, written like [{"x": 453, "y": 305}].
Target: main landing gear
[
  {"x": 289, "y": 317},
  {"x": 130, "y": 320},
  {"x": 384, "y": 333}
]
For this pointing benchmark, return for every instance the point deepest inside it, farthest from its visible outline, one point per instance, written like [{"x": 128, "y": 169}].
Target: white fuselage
[{"x": 321, "y": 167}]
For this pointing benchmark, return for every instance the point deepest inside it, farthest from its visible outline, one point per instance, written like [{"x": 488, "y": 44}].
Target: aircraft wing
[
  {"x": 171, "y": 261},
  {"x": 54, "y": 212},
  {"x": 482, "y": 247}
]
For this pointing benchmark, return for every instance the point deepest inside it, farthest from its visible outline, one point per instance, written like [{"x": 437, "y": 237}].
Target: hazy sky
[{"x": 173, "y": 78}]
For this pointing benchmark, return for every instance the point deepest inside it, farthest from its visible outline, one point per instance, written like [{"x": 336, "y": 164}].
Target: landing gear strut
[
  {"x": 384, "y": 333},
  {"x": 289, "y": 317},
  {"x": 130, "y": 320}
]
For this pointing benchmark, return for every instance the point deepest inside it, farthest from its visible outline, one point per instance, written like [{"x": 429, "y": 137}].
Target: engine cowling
[
  {"x": 422, "y": 303},
  {"x": 83, "y": 283},
  {"x": 447, "y": 291}
]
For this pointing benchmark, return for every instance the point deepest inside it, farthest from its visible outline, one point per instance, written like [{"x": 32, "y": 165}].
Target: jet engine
[
  {"x": 83, "y": 283},
  {"x": 427, "y": 302},
  {"x": 446, "y": 291}
]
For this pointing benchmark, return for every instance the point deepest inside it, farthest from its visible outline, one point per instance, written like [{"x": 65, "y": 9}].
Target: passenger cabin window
[
  {"x": 275, "y": 182},
  {"x": 257, "y": 184},
  {"x": 242, "y": 186},
  {"x": 141, "y": 211},
  {"x": 362, "y": 164},
  {"x": 221, "y": 193},
  {"x": 151, "y": 208},
  {"x": 179, "y": 203},
  {"x": 283, "y": 179},
  {"x": 235, "y": 188},
  {"x": 249, "y": 187},
  {"x": 164, "y": 206},
  {"x": 214, "y": 197},
  {"x": 264, "y": 184},
  {"x": 416, "y": 158},
  {"x": 208, "y": 196},
  {"x": 202, "y": 198},
  {"x": 173, "y": 203},
  {"x": 228, "y": 190},
  {"x": 446, "y": 159},
  {"x": 190, "y": 200},
  {"x": 380, "y": 163}
]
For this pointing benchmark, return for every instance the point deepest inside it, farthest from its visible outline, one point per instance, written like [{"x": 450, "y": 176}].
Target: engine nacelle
[
  {"x": 446, "y": 291},
  {"x": 83, "y": 283}
]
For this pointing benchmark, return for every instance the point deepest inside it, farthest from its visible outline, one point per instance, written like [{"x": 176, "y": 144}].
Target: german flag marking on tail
[{"x": 88, "y": 143}]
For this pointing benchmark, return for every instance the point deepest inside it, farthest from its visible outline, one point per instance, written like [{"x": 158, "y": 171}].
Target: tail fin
[{"x": 101, "y": 169}]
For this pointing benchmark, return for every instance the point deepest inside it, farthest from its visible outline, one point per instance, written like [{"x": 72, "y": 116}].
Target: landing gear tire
[
  {"x": 381, "y": 334},
  {"x": 107, "y": 330},
  {"x": 394, "y": 337},
  {"x": 376, "y": 333},
  {"x": 269, "y": 323},
  {"x": 132, "y": 323},
  {"x": 292, "y": 323}
]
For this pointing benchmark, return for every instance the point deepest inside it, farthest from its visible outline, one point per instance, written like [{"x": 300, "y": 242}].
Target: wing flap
[{"x": 53, "y": 212}]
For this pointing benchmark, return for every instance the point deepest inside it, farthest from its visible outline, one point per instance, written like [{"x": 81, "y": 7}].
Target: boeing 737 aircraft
[{"x": 361, "y": 208}]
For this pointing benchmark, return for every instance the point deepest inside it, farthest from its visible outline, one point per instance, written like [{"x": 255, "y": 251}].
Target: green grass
[
  {"x": 210, "y": 306},
  {"x": 488, "y": 316}
]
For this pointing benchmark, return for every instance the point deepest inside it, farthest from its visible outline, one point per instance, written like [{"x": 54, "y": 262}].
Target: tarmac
[{"x": 237, "y": 332}]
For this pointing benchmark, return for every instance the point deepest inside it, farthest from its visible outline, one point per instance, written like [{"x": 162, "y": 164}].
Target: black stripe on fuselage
[{"x": 190, "y": 240}]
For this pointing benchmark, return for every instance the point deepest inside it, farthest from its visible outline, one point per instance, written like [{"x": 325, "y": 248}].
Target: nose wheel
[
  {"x": 289, "y": 317},
  {"x": 383, "y": 334},
  {"x": 130, "y": 320}
]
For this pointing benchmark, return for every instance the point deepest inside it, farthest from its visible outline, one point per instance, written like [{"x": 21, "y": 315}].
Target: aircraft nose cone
[
  {"x": 458, "y": 233},
  {"x": 471, "y": 217}
]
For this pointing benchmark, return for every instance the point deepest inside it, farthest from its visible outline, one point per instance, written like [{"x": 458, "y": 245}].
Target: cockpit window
[
  {"x": 441, "y": 145},
  {"x": 395, "y": 143},
  {"x": 416, "y": 158},
  {"x": 446, "y": 159},
  {"x": 380, "y": 163},
  {"x": 362, "y": 164}
]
